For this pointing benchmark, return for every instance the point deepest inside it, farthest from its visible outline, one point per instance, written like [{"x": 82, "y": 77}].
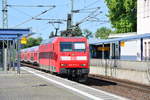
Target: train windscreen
[{"x": 72, "y": 46}]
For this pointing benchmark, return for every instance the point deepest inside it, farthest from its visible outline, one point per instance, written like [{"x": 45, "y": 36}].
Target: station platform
[{"x": 32, "y": 84}]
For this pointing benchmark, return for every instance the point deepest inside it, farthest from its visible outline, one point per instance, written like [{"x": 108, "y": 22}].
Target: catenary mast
[{"x": 5, "y": 14}]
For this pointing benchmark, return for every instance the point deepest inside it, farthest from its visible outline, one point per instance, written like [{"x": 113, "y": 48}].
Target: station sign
[
  {"x": 122, "y": 43},
  {"x": 23, "y": 40},
  {"x": 103, "y": 48}
]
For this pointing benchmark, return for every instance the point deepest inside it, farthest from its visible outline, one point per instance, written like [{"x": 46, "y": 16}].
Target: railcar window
[
  {"x": 72, "y": 46},
  {"x": 66, "y": 46},
  {"x": 79, "y": 46}
]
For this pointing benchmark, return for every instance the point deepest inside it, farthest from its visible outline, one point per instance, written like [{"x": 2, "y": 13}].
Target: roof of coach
[
  {"x": 30, "y": 49},
  {"x": 73, "y": 38},
  {"x": 52, "y": 39},
  {"x": 24, "y": 49},
  {"x": 48, "y": 40},
  {"x": 33, "y": 48}
]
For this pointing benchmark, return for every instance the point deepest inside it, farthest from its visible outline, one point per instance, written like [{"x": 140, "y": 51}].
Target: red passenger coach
[
  {"x": 30, "y": 55},
  {"x": 65, "y": 55}
]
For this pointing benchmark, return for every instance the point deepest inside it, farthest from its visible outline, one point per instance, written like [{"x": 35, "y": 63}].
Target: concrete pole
[
  {"x": 8, "y": 62},
  {"x": 72, "y": 7},
  {"x": 5, "y": 59},
  {"x": 103, "y": 59},
  {"x": 10, "y": 49},
  {"x": 18, "y": 54},
  {"x": 103, "y": 56},
  {"x": 141, "y": 49},
  {"x": 13, "y": 54},
  {"x": 3, "y": 53},
  {"x": 110, "y": 51}
]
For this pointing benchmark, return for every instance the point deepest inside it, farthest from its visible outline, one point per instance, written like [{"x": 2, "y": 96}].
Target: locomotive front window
[
  {"x": 79, "y": 46},
  {"x": 66, "y": 46},
  {"x": 72, "y": 46}
]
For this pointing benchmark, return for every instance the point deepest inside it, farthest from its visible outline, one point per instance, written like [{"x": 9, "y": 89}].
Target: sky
[{"x": 18, "y": 15}]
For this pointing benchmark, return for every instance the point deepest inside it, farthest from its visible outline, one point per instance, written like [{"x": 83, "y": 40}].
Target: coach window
[{"x": 35, "y": 54}]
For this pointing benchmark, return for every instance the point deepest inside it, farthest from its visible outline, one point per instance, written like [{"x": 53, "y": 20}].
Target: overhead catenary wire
[
  {"x": 32, "y": 18},
  {"x": 66, "y": 4},
  {"x": 42, "y": 6},
  {"x": 49, "y": 19},
  {"x": 91, "y": 16},
  {"x": 98, "y": 20},
  {"x": 32, "y": 6},
  {"x": 86, "y": 18},
  {"x": 22, "y": 12},
  {"x": 53, "y": 22},
  {"x": 89, "y": 10},
  {"x": 89, "y": 5}
]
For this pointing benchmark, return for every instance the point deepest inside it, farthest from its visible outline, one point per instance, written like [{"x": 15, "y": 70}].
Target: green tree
[
  {"x": 87, "y": 33},
  {"x": 33, "y": 42},
  {"x": 103, "y": 32},
  {"x": 123, "y": 15},
  {"x": 77, "y": 31},
  {"x": 38, "y": 41},
  {"x": 51, "y": 34}
]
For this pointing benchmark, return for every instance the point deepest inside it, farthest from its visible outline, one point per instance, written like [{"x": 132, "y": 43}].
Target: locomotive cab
[{"x": 74, "y": 58}]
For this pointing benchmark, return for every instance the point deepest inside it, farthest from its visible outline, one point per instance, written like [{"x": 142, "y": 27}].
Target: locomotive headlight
[
  {"x": 63, "y": 64},
  {"x": 81, "y": 58},
  {"x": 65, "y": 58}
]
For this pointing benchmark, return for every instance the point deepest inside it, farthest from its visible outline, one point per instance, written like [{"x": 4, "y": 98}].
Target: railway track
[
  {"x": 124, "y": 83},
  {"x": 124, "y": 88}
]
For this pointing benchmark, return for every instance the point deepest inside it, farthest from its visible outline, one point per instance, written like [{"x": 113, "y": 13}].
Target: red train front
[{"x": 65, "y": 55}]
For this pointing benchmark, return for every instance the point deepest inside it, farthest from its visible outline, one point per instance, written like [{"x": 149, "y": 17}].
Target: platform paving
[
  {"x": 26, "y": 86},
  {"x": 32, "y": 84}
]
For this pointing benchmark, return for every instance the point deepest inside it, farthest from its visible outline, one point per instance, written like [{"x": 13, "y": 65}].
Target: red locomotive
[{"x": 62, "y": 55}]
